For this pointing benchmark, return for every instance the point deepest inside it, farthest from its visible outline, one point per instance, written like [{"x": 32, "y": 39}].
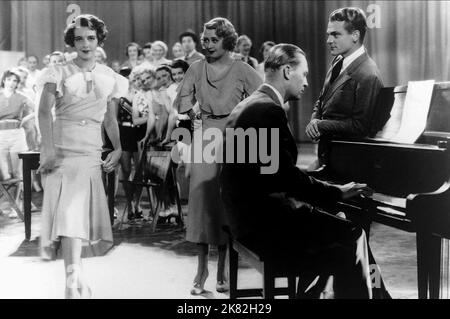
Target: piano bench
[{"x": 269, "y": 267}]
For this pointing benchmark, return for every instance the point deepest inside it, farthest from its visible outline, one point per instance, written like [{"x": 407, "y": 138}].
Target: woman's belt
[
  {"x": 128, "y": 124},
  {"x": 214, "y": 116},
  {"x": 9, "y": 124},
  {"x": 80, "y": 121},
  {"x": 202, "y": 114}
]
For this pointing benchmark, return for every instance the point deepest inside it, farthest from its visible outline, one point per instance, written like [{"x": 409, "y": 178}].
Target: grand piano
[{"x": 411, "y": 181}]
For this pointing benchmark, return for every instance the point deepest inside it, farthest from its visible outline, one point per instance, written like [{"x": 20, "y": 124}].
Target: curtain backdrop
[{"x": 411, "y": 42}]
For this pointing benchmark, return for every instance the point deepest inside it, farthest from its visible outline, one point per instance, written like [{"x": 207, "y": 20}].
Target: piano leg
[
  {"x": 435, "y": 266},
  {"x": 422, "y": 264},
  {"x": 428, "y": 265}
]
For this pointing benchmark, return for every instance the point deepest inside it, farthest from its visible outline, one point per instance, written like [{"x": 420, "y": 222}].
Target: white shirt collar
[
  {"x": 280, "y": 98},
  {"x": 352, "y": 57}
]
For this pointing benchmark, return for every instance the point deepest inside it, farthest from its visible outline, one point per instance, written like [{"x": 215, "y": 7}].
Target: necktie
[{"x": 336, "y": 70}]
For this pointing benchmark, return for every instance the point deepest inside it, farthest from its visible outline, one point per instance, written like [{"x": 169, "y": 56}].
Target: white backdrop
[{"x": 9, "y": 59}]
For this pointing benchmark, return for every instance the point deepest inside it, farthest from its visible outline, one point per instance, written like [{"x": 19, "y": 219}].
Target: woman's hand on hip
[
  {"x": 47, "y": 161},
  {"x": 112, "y": 160}
]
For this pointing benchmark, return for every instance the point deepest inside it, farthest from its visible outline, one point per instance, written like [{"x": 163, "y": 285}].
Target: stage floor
[{"x": 162, "y": 265}]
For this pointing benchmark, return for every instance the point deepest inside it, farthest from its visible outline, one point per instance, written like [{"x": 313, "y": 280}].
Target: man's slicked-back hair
[
  {"x": 354, "y": 18},
  {"x": 282, "y": 54},
  {"x": 188, "y": 33},
  {"x": 224, "y": 29}
]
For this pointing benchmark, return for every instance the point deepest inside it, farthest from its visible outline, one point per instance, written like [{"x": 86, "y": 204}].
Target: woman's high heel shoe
[
  {"x": 72, "y": 280},
  {"x": 72, "y": 293},
  {"x": 85, "y": 292},
  {"x": 198, "y": 287},
  {"x": 76, "y": 287},
  {"x": 222, "y": 286}
]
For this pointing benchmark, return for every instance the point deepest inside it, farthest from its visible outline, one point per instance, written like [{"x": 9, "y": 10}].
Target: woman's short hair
[
  {"x": 103, "y": 53},
  {"x": 33, "y": 56},
  {"x": 166, "y": 68},
  {"x": 266, "y": 44},
  {"x": 7, "y": 74},
  {"x": 178, "y": 63},
  {"x": 20, "y": 69},
  {"x": 137, "y": 72},
  {"x": 85, "y": 20},
  {"x": 148, "y": 45},
  {"x": 162, "y": 45},
  {"x": 243, "y": 38},
  {"x": 23, "y": 59},
  {"x": 133, "y": 44},
  {"x": 57, "y": 53},
  {"x": 225, "y": 30}
]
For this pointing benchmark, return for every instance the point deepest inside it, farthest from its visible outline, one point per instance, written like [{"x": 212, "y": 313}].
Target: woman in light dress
[
  {"x": 177, "y": 51},
  {"x": 133, "y": 51},
  {"x": 16, "y": 110},
  {"x": 75, "y": 210},
  {"x": 159, "y": 52}
]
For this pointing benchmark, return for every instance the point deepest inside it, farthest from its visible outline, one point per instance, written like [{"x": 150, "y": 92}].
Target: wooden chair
[
  {"x": 4, "y": 190},
  {"x": 269, "y": 266},
  {"x": 152, "y": 174}
]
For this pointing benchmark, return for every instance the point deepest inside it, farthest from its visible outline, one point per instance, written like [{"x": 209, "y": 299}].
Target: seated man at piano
[
  {"x": 347, "y": 100},
  {"x": 279, "y": 208}
]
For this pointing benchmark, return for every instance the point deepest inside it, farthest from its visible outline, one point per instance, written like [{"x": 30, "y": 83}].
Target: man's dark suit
[
  {"x": 262, "y": 110},
  {"x": 346, "y": 106},
  {"x": 259, "y": 212}
]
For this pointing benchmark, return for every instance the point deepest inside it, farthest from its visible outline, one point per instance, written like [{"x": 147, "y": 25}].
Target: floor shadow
[
  {"x": 166, "y": 237},
  {"x": 28, "y": 248}
]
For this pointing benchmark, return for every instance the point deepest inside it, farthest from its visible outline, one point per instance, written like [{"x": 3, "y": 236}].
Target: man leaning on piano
[{"x": 347, "y": 100}]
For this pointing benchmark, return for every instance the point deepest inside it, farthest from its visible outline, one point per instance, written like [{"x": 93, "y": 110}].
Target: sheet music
[
  {"x": 392, "y": 126},
  {"x": 415, "y": 111}
]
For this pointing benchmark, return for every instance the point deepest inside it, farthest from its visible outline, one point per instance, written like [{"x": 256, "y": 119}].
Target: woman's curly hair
[
  {"x": 225, "y": 30},
  {"x": 7, "y": 74},
  {"x": 137, "y": 72},
  {"x": 89, "y": 21}
]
